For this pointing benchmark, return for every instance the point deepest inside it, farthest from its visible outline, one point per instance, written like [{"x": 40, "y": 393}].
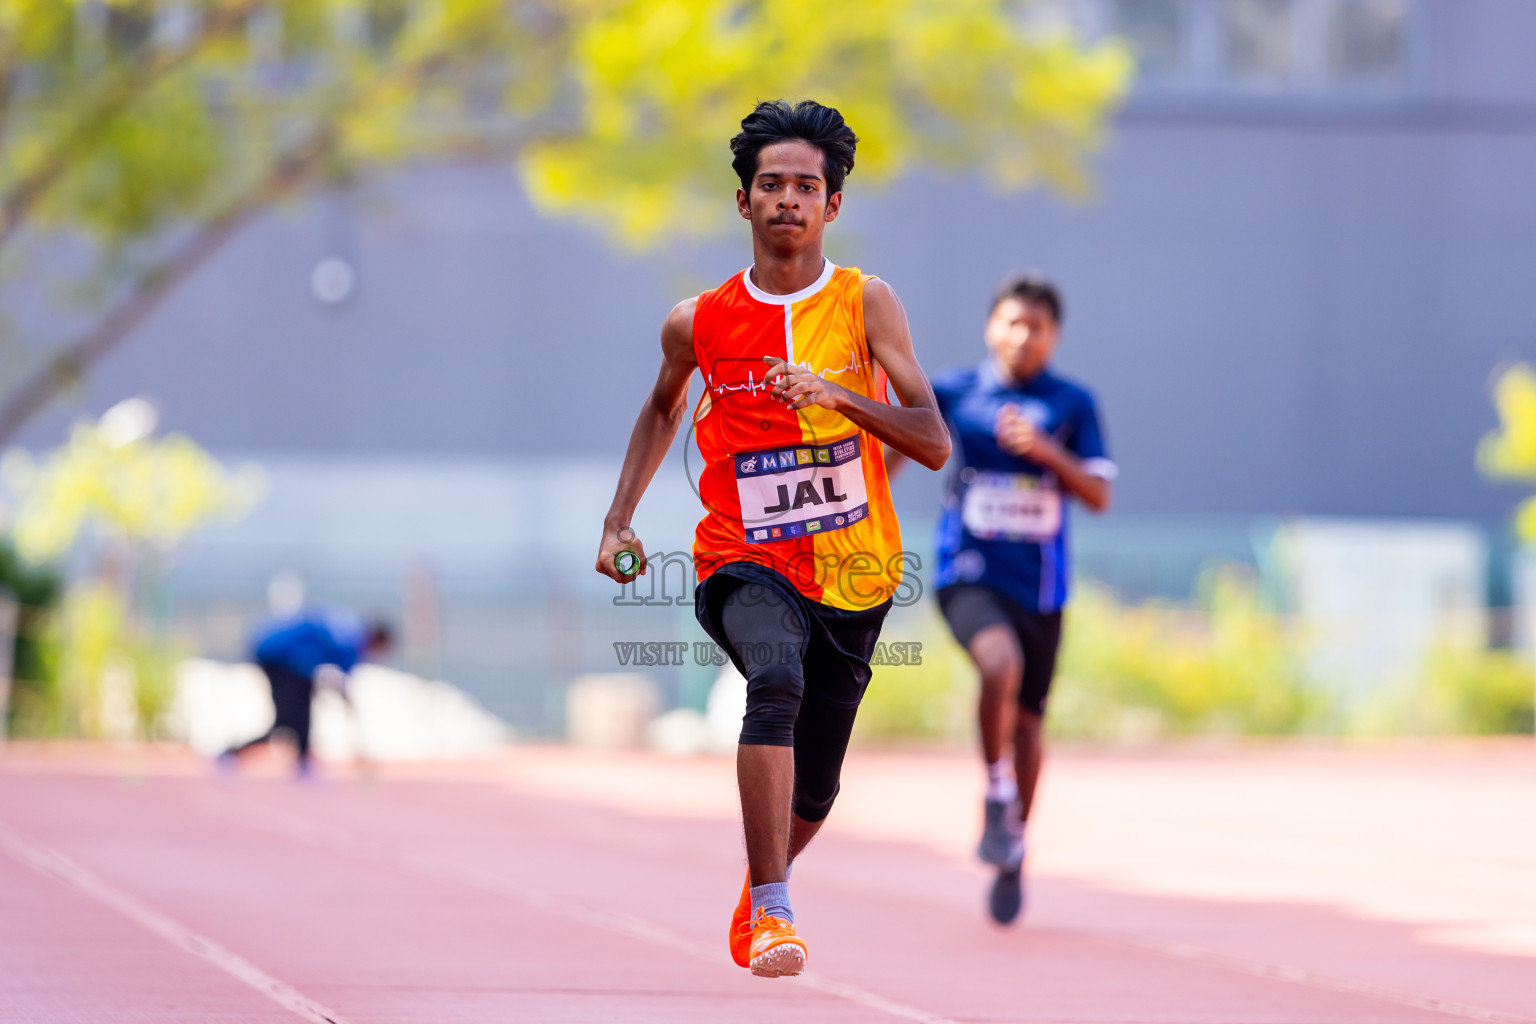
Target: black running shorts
[
  {"x": 806, "y": 666},
  {"x": 969, "y": 608}
]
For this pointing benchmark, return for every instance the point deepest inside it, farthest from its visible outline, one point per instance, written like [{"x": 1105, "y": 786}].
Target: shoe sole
[{"x": 785, "y": 960}]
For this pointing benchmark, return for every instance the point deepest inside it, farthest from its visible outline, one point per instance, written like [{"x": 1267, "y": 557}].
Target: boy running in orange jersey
[{"x": 799, "y": 550}]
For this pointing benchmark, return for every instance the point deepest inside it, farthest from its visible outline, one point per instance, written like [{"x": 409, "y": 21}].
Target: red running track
[{"x": 153, "y": 893}]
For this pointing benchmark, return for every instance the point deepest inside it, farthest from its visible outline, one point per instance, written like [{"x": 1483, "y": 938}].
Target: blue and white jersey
[{"x": 1004, "y": 523}]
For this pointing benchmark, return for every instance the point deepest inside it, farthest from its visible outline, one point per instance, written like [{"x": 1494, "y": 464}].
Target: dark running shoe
[
  {"x": 996, "y": 837},
  {"x": 1007, "y": 896}
]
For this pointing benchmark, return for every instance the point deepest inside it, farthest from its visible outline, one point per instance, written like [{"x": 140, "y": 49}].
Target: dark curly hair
[
  {"x": 777, "y": 121},
  {"x": 1031, "y": 288}
]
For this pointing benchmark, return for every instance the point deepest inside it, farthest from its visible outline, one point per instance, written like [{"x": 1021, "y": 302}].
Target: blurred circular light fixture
[
  {"x": 130, "y": 420},
  {"x": 333, "y": 281}
]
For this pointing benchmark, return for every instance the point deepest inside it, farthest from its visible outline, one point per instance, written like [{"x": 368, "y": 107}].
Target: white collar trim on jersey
[{"x": 827, "y": 270}]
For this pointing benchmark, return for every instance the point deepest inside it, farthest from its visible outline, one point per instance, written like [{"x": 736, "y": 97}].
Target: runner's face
[
  {"x": 1022, "y": 337},
  {"x": 789, "y": 206}
]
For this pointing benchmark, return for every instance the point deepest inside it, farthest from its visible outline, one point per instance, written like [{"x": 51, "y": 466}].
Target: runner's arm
[
  {"x": 946, "y": 394},
  {"x": 1089, "y": 488},
  {"x": 915, "y": 428},
  {"x": 1017, "y": 434},
  {"x": 655, "y": 429}
]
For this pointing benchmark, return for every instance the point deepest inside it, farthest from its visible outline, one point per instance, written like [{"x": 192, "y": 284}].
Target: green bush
[
  {"x": 1232, "y": 666},
  {"x": 1229, "y": 665},
  {"x": 931, "y": 700},
  {"x": 36, "y": 589},
  {"x": 101, "y": 677},
  {"x": 1468, "y": 692},
  {"x": 103, "y": 670}
]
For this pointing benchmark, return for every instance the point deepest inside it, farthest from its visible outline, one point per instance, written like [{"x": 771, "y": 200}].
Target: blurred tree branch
[
  {"x": 114, "y": 94},
  {"x": 71, "y": 362},
  {"x": 158, "y": 146}
]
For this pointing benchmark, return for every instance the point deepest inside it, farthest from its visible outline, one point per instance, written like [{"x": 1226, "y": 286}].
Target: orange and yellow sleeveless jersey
[{"x": 802, "y": 491}]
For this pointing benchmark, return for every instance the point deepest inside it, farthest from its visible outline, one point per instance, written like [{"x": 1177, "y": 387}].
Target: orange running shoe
[
  {"x": 776, "y": 951},
  {"x": 741, "y": 926}
]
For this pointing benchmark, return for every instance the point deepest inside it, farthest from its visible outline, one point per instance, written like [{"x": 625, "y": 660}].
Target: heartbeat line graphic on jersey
[
  {"x": 753, "y": 386},
  {"x": 752, "y": 444}
]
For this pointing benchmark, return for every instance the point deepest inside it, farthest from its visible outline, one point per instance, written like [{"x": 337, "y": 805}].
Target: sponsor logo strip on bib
[
  {"x": 800, "y": 491},
  {"x": 1011, "y": 506}
]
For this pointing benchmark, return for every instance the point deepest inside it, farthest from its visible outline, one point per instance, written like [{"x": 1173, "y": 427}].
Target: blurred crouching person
[{"x": 316, "y": 646}]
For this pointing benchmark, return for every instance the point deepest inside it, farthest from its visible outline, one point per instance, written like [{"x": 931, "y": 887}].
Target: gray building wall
[{"x": 1288, "y": 303}]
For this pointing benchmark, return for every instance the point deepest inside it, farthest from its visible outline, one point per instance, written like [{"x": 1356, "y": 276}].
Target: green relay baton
[{"x": 627, "y": 562}]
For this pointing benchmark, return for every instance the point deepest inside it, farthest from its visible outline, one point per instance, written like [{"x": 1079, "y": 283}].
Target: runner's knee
[
  {"x": 768, "y": 641},
  {"x": 995, "y": 650},
  {"x": 819, "y": 754},
  {"x": 774, "y": 691},
  {"x": 814, "y": 797},
  {"x": 821, "y": 742}
]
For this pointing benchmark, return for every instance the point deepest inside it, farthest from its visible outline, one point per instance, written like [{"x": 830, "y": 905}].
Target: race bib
[
  {"x": 1011, "y": 506},
  {"x": 800, "y": 491}
]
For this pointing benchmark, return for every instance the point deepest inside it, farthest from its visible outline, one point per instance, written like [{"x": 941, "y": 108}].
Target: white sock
[
  {"x": 1000, "y": 782},
  {"x": 1016, "y": 842}
]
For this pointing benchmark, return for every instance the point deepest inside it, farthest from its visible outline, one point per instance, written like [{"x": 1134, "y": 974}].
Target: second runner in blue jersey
[{"x": 1029, "y": 441}]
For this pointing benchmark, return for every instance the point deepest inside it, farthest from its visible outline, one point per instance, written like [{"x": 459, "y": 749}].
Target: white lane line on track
[
  {"x": 61, "y": 869},
  {"x": 623, "y": 924},
  {"x": 306, "y": 831},
  {"x": 1311, "y": 979}
]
